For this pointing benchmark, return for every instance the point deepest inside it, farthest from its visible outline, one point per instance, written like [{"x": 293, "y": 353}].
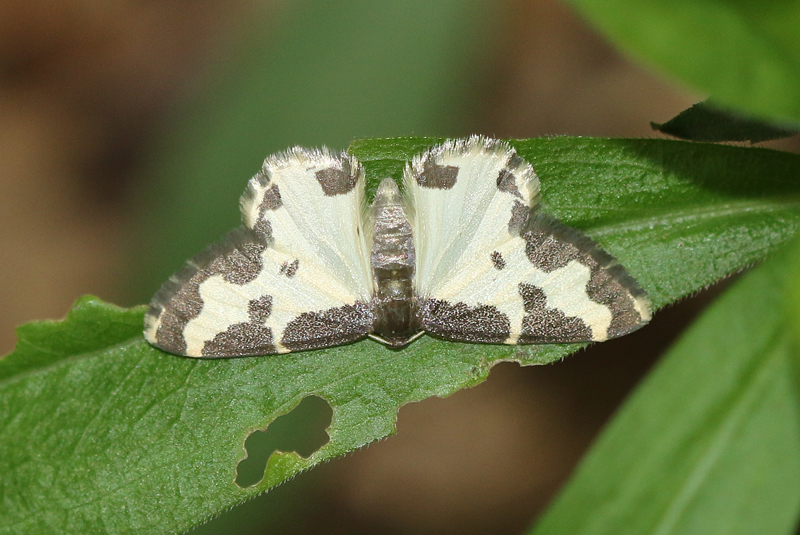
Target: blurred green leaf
[
  {"x": 103, "y": 433},
  {"x": 746, "y": 54},
  {"x": 710, "y": 442},
  {"x": 706, "y": 122},
  {"x": 322, "y": 73}
]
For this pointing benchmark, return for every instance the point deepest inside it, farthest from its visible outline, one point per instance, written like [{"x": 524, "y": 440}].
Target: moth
[{"x": 464, "y": 254}]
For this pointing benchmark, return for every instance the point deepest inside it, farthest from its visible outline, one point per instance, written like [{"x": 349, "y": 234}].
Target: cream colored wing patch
[
  {"x": 491, "y": 268},
  {"x": 295, "y": 276}
]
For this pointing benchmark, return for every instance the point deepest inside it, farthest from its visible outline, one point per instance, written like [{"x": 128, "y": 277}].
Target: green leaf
[
  {"x": 103, "y": 433},
  {"x": 746, "y": 54},
  {"x": 707, "y": 122},
  {"x": 710, "y": 442}
]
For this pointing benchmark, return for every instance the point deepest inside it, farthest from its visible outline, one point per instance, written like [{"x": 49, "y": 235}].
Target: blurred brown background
[{"x": 90, "y": 96}]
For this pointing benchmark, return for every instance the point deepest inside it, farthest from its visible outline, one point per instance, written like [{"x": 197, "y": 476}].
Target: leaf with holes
[{"x": 103, "y": 433}]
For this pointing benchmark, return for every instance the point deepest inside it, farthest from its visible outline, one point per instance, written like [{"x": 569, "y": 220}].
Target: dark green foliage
[
  {"x": 706, "y": 122},
  {"x": 746, "y": 54}
]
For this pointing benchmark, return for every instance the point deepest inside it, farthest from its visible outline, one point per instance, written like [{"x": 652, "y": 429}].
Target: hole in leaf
[{"x": 302, "y": 430}]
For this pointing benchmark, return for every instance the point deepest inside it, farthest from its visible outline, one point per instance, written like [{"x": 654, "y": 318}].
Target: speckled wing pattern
[
  {"x": 295, "y": 276},
  {"x": 464, "y": 255},
  {"x": 491, "y": 268}
]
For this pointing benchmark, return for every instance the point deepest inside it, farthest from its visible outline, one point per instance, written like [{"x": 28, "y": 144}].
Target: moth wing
[
  {"x": 295, "y": 276},
  {"x": 490, "y": 268}
]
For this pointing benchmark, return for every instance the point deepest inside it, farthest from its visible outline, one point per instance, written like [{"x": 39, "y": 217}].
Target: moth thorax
[{"x": 392, "y": 258}]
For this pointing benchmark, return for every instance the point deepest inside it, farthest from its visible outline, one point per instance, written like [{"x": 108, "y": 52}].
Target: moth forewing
[
  {"x": 479, "y": 244},
  {"x": 306, "y": 281}
]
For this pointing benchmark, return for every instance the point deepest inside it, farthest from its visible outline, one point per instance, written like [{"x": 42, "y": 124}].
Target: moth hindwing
[{"x": 464, "y": 254}]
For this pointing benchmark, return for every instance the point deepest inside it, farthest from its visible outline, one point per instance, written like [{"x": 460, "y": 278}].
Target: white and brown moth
[{"x": 463, "y": 255}]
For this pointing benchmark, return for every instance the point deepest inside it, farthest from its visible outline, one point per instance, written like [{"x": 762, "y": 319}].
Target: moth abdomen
[
  {"x": 392, "y": 259},
  {"x": 395, "y": 313}
]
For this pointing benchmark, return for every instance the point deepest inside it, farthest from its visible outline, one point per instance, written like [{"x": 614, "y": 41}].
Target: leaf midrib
[
  {"x": 673, "y": 217},
  {"x": 738, "y": 410}
]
